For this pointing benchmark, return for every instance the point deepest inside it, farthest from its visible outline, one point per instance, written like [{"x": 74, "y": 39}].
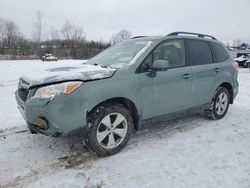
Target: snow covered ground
[{"x": 188, "y": 152}]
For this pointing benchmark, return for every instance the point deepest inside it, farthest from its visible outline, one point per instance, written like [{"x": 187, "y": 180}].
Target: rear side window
[
  {"x": 220, "y": 52},
  {"x": 199, "y": 52}
]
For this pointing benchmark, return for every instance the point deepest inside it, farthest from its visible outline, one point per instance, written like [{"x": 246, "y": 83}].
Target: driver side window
[{"x": 173, "y": 52}]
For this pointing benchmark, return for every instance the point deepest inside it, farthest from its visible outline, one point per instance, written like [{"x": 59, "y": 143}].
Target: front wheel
[
  {"x": 219, "y": 104},
  {"x": 111, "y": 128}
]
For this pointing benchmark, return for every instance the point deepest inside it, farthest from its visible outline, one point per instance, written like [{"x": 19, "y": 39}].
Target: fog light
[{"x": 41, "y": 122}]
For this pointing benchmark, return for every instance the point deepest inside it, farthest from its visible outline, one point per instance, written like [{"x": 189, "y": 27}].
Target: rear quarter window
[{"x": 220, "y": 52}]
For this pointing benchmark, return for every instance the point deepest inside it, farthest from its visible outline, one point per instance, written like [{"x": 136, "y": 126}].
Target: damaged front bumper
[{"x": 60, "y": 116}]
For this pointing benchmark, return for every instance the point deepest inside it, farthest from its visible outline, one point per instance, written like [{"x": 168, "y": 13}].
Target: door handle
[
  {"x": 186, "y": 76},
  {"x": 216, "y": 70}
]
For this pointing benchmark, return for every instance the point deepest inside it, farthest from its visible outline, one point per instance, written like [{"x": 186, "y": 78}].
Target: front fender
[{"x": 123, "y": 86}]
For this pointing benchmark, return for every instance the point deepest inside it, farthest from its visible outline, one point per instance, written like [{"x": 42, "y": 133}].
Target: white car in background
[
  {"x": 49, "y": 57},
  {"x": 243, "y": 59}
]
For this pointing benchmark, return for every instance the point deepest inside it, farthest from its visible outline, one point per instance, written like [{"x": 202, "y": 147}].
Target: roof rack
[
  {"x": 136, "y": 37},
  {"x": 189, "y": 33}
]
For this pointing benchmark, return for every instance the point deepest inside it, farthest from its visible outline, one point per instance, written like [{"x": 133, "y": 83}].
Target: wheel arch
[
  {"x": 127, "y": 103},
  {"x": 229, "y": 87}
]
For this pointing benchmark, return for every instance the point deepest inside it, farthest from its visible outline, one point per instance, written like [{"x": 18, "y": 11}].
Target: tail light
[{"x": 236, "y": 66}]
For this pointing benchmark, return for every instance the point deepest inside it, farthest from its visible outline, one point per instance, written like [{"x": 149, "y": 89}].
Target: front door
[{"x": 167, "y": 90}]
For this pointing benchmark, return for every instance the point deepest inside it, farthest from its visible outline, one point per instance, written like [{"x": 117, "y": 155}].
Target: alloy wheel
[
  {"x": 221, "y": 103},
  {"x": 112, "y": 130}
]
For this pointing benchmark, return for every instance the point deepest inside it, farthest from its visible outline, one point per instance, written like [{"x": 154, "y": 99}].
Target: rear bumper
[{"x": 236, "y": 92}]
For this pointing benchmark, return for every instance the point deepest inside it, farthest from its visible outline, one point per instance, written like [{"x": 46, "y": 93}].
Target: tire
[
  {"x": 246, "y": 65},
  {"x": 219, "y": 104},
  {"x": 111, "y": 126}
]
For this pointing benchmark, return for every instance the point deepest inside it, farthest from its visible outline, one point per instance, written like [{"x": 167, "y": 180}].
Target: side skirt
[{"x": 174, "y": 115}]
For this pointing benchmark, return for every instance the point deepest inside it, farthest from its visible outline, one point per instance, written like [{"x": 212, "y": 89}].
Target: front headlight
[{"x": 53, "y": 90}]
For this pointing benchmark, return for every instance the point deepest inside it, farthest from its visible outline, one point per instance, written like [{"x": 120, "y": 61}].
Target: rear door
[{"x": 206, "y": 73}]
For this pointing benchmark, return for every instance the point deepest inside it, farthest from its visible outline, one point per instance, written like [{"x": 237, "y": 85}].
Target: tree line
[{"x": 68, "y": 42}]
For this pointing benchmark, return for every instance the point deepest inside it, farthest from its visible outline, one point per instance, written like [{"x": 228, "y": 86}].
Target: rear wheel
[
  {"x": 111, "y": 128},
  {"x": 219, "y": 104}
]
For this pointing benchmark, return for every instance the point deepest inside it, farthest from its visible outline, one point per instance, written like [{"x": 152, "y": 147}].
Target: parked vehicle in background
[
  {"x": 129, "y": 85},
  {"x": 243, "y": 59},
  {"x": 49, "y": 57}
]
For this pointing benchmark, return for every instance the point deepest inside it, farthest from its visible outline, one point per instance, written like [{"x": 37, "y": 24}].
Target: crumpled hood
[{"x": 82, "y": 72}]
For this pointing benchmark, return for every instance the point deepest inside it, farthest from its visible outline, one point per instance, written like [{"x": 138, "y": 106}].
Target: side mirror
[{"x": 160, "y": 65}]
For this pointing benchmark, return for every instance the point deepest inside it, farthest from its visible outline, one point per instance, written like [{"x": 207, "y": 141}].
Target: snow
[
  {"x": 78, "y": 72},
  {"x": 188, "y": 152},
  {"x": 241, "y": 58}
]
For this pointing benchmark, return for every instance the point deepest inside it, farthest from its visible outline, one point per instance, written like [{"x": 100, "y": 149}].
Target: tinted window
[
  {"x": 199, "y": 52},
  {"x": 171, "y": 51},
  {"x": 220, "y": 52}
]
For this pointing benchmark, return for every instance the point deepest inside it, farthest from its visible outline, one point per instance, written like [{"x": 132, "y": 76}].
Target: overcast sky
[{"x": 225, "y": 19}]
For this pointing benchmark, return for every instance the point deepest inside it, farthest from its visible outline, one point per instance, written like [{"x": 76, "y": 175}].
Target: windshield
[{"x": 120, "y": 54}]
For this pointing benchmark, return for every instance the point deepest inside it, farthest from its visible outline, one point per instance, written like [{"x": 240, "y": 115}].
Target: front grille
[{"x": 23, "y": 94}]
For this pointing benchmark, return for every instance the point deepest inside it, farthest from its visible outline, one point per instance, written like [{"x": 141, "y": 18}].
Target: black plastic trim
[
  {"x": 174, "y": 115},
  {"x": 136, "y": 37}
]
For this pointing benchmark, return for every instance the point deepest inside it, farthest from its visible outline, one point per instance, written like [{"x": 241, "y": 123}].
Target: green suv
[{"x": 141, "y": 80}]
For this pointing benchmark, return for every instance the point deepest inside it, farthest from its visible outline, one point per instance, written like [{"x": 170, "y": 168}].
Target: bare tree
[
  {"x": 68, "y": 42},
  {"x": 1, "y": 32},
  {"x": 11, "y": 33},
  {"x": 72, "y": 32},
  {"x": 39, "y": 27},
  {"x": 121, "y": 36},
  {"x": 74, "y": 35},
  {"x": 12, "y": 36},
  {"x": 237, "y": 42},
  {"x": 54, "y": 33}
]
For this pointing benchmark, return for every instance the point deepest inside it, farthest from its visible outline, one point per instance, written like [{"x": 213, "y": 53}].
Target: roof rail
[
  {"x": 189, "y": 33},
  {"x": 136, "y": 37}
]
